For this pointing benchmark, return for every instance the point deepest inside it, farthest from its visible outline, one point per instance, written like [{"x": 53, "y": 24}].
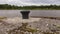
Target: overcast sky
[{"x": 30, "y": 2}]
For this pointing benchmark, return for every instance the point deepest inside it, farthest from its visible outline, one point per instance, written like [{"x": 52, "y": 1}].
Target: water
[
  {"x": 10, "y": 13},
  {"x": 16, "y": 13}
]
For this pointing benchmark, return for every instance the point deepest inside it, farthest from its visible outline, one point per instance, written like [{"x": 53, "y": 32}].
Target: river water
[{"x": 44, "y": 13}]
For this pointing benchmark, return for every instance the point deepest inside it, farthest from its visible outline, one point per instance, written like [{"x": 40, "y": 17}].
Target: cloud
[
  {"x": 30, "y": 2},
  {"x": 3, "y": 1}
]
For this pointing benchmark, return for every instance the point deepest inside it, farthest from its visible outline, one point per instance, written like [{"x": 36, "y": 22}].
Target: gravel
[{"x": 41, "y": 24}]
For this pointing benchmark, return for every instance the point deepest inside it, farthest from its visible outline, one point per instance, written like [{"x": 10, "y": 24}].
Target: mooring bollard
[{"x": 25, "y": 14}]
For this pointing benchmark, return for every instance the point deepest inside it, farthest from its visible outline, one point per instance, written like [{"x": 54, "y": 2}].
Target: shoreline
[{"x": 28, "y": 9}]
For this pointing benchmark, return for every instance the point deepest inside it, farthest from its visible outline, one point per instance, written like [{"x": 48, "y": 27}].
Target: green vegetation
[
  {"x": 1, "y": 18},
  {"x": 42, "y": 7}
]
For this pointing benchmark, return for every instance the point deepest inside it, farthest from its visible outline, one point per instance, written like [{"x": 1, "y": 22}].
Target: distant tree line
[{"x": 6, "y": 6}]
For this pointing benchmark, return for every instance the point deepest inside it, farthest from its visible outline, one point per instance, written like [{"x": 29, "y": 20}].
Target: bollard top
[{"x": 25, "y": 11}]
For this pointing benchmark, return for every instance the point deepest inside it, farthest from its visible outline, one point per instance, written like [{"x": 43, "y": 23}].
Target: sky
[{"x": 30, "y": 2}]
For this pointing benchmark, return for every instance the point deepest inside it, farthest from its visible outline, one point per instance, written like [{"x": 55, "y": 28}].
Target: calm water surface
[{"x": 45, "y": 13}]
